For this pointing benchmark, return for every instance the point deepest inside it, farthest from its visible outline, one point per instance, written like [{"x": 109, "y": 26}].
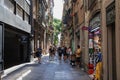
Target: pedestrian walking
[
  {"x": 65, "y": 53},
  {"x": 51, "y": 53},
  {"x": 39, "y": 54},
  {"x": 59, "y": 53},
  {"x": 69, "y": 53},
  {"x": 78, "y": 56}
]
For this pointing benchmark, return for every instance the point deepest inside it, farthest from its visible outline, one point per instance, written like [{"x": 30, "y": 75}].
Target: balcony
[
  {"x": 67, "y": 18},
  {"x": 74, "y": 1}
]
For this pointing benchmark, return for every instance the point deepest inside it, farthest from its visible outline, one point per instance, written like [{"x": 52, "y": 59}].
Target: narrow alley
[
  {"x": 84, "y": 31},
  {"x": 48, "y": 70}
]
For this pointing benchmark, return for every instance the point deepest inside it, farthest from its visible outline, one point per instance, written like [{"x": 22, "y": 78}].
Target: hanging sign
[{"x": 84, "y": 28}]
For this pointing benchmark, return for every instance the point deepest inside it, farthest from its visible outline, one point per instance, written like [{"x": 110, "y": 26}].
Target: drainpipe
[{"x": 74, "y": 27}]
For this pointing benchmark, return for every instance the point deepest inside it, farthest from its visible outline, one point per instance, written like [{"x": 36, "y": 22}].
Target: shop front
[
  {"x": 94, "y": 42},
  {"x": 16, "y": 47}
]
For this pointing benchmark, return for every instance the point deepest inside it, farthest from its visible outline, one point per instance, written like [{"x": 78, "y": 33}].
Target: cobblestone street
[{"x": 48, "y": 70}]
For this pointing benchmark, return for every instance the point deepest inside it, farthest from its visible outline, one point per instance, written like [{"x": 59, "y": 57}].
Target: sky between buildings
[{"x": 58, "y": 9}]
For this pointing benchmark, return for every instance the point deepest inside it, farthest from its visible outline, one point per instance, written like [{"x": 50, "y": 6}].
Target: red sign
[{"x": 84, "y": 28}]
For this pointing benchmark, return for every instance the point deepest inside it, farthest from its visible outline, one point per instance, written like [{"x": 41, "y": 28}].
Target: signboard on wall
[
  {"x": 95, "y": 21},
  {"x": 110, "y": 14}
]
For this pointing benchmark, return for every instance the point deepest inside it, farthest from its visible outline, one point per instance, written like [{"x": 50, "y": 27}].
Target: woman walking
[{"x": 78, "y": 56}]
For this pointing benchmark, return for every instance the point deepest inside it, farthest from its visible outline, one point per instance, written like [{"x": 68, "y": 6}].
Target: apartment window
[
  {"x": 19, "y": 11},
  {"x": 20, "y": 2},
  {"x": 10, "y": 5},
  {"x": 86, "y": 5},
  {"x": 27, "y": 7},
  {"x": 26, "y": 17},
  {"x": 76, "y": 18},
  {"x": 91, "y": 2}
]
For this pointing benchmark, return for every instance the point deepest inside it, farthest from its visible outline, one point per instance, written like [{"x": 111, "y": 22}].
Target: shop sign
[
  {"x": 24, "y": 39},
  {"x": 95, "y": 29},
  {"x": 90, "y": 35},
  {"x": 84, "y": 28},
  {"x": 97, "y": 32},
  {"x": 110, "y": 14},
  {"x": 95, "y": 21}
]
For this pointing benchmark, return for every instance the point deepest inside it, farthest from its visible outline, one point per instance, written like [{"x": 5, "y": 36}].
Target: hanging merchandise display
[
  {"x": 95, "y": 60},
  {"x": 90, "y": 43}
]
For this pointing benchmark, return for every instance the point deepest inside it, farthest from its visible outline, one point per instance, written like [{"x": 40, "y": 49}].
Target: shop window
[
  {"x": 95, "y": 21},
  {"x": 9, "y": 5},
  {"x": 19, "y": 11}
]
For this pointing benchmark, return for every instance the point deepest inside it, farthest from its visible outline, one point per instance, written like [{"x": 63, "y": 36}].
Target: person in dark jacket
[
  {"x": 59, "y": 53},
  {"x": 39, "y": 54}
]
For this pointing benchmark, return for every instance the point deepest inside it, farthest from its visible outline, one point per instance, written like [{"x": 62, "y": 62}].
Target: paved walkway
[{"x": 48, "y": 70}]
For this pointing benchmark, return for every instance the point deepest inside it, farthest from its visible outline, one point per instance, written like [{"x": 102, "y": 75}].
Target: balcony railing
[{"x": 74, "y": 1}]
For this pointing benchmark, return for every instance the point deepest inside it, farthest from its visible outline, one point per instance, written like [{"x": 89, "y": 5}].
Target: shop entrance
[
  {"x": 111, "y": 52},
  {"x": 16, "y": 47}
]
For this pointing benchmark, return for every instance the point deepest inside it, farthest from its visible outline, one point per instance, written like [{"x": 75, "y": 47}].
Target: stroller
[{"x": 72, "y": 61}]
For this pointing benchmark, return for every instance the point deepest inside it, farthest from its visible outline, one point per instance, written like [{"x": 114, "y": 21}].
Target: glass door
[{"x": 1, "y": 46}]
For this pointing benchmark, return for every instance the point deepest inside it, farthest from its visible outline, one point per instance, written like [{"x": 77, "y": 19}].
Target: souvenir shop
[{"x": 94, "y": 36}]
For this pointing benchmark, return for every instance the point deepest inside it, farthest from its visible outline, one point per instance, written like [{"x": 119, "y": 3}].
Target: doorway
[{"x": 111, "y": 52}]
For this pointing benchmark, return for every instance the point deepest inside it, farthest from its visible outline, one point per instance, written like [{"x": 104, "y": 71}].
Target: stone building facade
[
  {"x": 79, "y": 33},
  {"x": 67, "y": 24},
  {"x": 42, "y": 24},
  {"x": 98, "y": 23},
  {"x": 39, "y": 23},
  {"x": 49, "y": 24},
  {"x": 101, "y": 18},
  {"x": 110, "y": 39}
]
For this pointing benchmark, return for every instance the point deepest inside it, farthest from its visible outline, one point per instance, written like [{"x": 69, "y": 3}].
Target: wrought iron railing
[{"x": 74, "y": 1}]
